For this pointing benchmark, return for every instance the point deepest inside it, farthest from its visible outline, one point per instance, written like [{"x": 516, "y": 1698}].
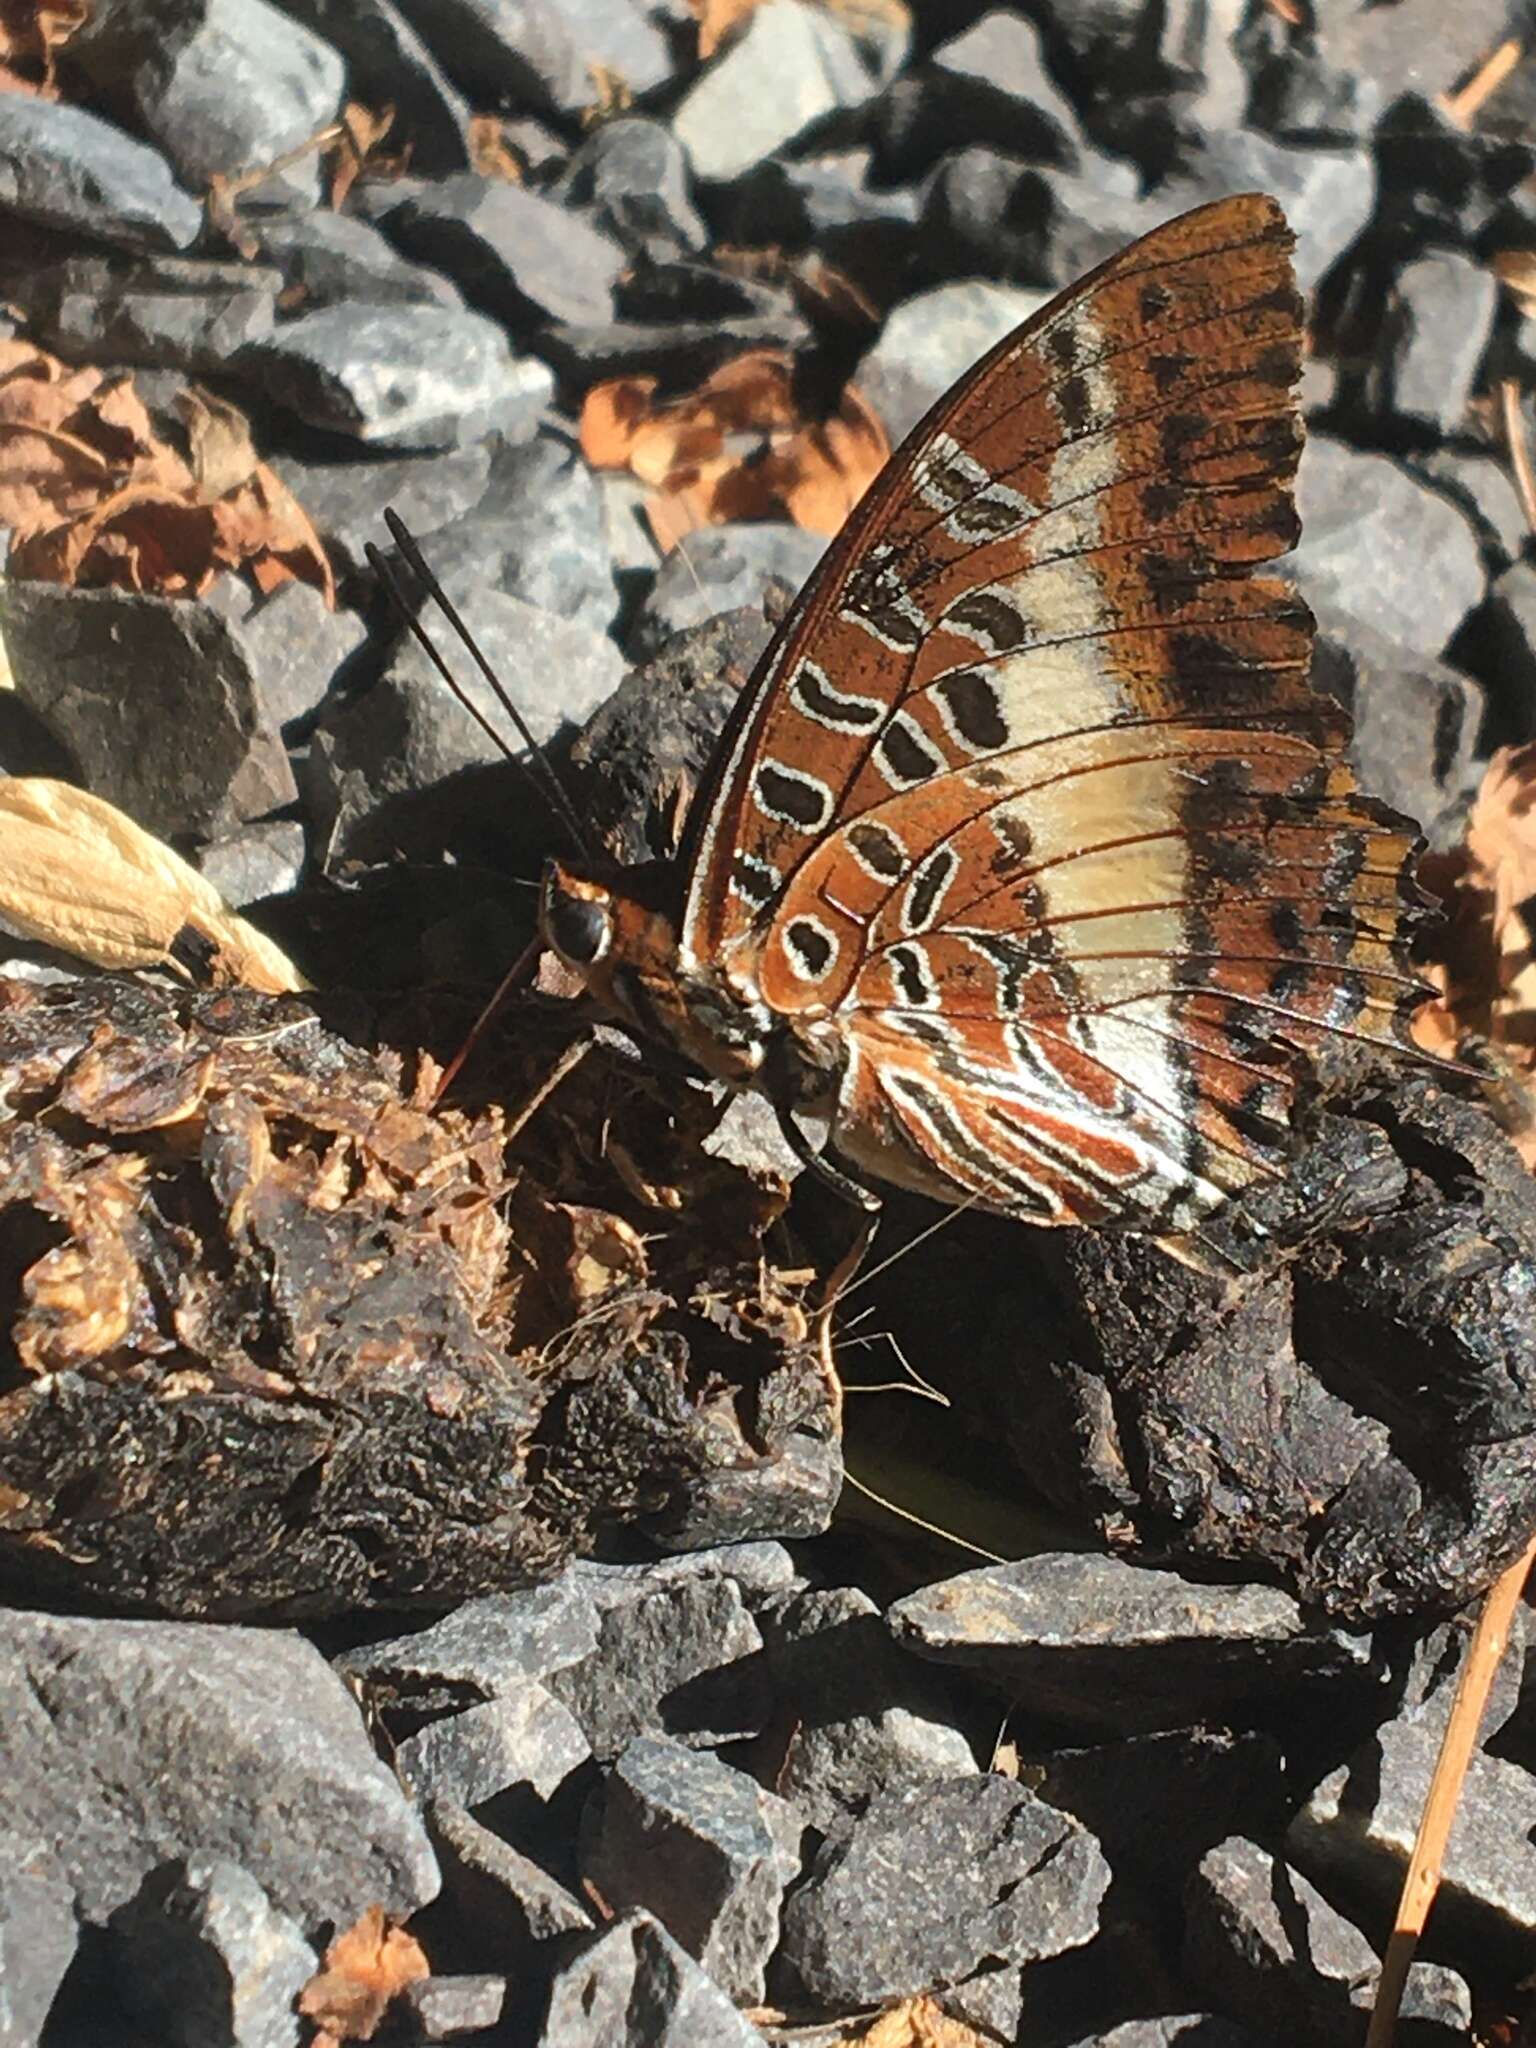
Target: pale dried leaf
[
  {"x": 223, "y": 456},
  {"x": 79, "y": 876},
  {"x": 365, "y": 1967},
  {"x": 1516, "y": 271}
]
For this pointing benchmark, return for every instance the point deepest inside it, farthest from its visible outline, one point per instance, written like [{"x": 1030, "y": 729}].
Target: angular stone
[
  {"x": 1435, "y": 331},
  {"x": 620, "y": 37},
  {"x": 700, "y": 1845},
  {"x": 936, "y": 1881},
  {"x": 630, "y": 178},
  {"x": 682, "y": 1660},
  {"x": 518, "y": 51},
  {"x": 1416, "y": 720},
  {"x": 297, "y": 646},
  {"x": 402, "y": 376},
  {"x": 827, "y": 199},
  {"x": 82, "y": 657},
  {"x": 513, "y": 253},
  {"x": 495, "y": 1890},
  {"x": 1082, "y": 1638},
  {"x": 1303, "y": 99},
  {"x": 791, "y": 65},
  {"x": 37, "y": 1945},
  {"x": 986, "y": 212},
  {"x": 988, "y": 85},
  {"x": 486, "y": 1647},
  {"x": 763, "y": 1571},
  {"x": 1176, "y": 2030},
  {"x": 191, "y": 1717},
  {"x": 203, "y": 1955},
  {"x": 719, "y": 569},
  {"x": 168, "y": 312},
  {"x": 443, "y": 2008},
  {"x": 388, "y": 64},
  {"x": 1505, "y": 637},
  {"x": 524, "y": 1736},
  {"x": 1267, "y": 1948},
  {"x": 221, "y": 86},
  {"x": 865, "y": 1718},
  {"x": 264, "y": 860},
  {"x": 1356, "y": 1832},
  {"x": 634, "y": 1987},
  {"x": 537, "y": 532},
  {"x": 929, "y": 341},
  {"x": 1376, "y": 542},
  {"x": 330, "y": 259},
  {"x": 684, "y": 352},
  {"x": 346, "y": 497},
  {"x": 64, "y": 168}
]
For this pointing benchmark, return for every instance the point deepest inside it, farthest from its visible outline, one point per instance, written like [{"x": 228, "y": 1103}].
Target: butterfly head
[{"x": 620, "y": 936}]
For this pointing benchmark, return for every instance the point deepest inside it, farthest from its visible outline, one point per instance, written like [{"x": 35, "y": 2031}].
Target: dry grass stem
[
  {"x": 1519, "y": 448},
  {"x": 1462, "y": 106}
]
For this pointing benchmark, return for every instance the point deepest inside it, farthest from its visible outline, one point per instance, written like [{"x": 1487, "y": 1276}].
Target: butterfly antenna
[{"x": 535, "y": 759}]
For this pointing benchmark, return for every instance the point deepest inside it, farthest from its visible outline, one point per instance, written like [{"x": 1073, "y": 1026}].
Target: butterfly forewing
[{"x": 1032, "y": 798}]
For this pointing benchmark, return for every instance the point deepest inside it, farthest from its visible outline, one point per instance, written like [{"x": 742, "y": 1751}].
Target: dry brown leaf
[
  {"x": 364, "y": 1969},
  {"x": 719, "y": 20},
  {"x": 737, "y": 448},
  {"x": 916, "y": 2023},
  {"x": 31, "y": 31},
  {"x": 354, "y": 148},
  {"x": 79, "y": 876},
  {"x": 93, "y": 496},
  {"x": 1516, "y": 271},
  {"x": 490, "y": 153},
  {"x": 603, "y": 1252}
]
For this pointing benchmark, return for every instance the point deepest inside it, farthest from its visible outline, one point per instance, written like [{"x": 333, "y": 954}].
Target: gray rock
[
  {"x": 764, "y": 1571},
  {"x": 330, "y": 258},
  {"x": 220, "y": 86},
  {"x": 125, "y": 1744},
  {"x": 627, "y": 534},
  {"x": 929, "y": 341},
  {"x": 1483, "y": 491},
  {"x": 1175, "y": 2030},
  {"x": 1084, "y": 1638},
  {"x": 987, "y": 212},
  {"x": 64, "y": 168},
  {"x": 719, "y": 569},
  {"x": 865, "y": 1718},
  {"x": 82, "y": 659},
  {"x": 1328, "y": 195},
  {"x": 1420, "y": 48},
  {"x": 401, "y": 376},
  {"x": 1356, "y": 1832},
  {"x": 296, "y": 645},
  {"x": 631, "y": 178},
  {"x": 388, "y": 64},
  {"x": 37, "y": 1946},
  {"x": 521, "y": 52},
  {"x": 168, "y": 312},
  {"x": 786, "y": 203},
  {"x": 443, "y": 2008},
  {"x": 538, "y": 533},
  {"x": 684, "y": 351},
  {"x": 1506, "y": 625},
  {"x": 1303, "y": 99},
  {"x": 791, "y": 65},
  {"x": 1267, "y": 1947},
  {"x": 407, "y": 736},
  {"x": 1436, "y": 328},
  {"x": 513, "y": 253},
  {"x": 495, "y": 1890},
  {"x": 265, "y": 860},
  {"x": 484, "y": 1648},
  {"x": 203, "y": 1956},
  {"x": 1374, "y": 541},
  {"x": 634, "y": 1987},
  {"x": 524, "y": 1736},
  {"x": 700, "y": 1845},
  {"x": 345, "y": 498},
  {"x": 988, "y": 85},
  {"x": 936, "y": 1881},
  {"x": 682, "y": 1660},
  {"x": 1416, "y": 720},
  {"x": 621, "y": 37}
]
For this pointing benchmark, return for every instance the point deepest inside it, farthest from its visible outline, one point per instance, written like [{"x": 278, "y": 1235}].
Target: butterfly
[{"x": 1030, "y": 868}]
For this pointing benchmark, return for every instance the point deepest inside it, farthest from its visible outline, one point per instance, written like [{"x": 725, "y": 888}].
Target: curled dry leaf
[
  {"x": 365, "y": 1968},
  {"x": 354, "y": 147},
  {"x": 93, "y": 496},
  {"x": 79, "y": 876},
  {"x": 31, "y": 31},
  {"x": 490, "y": 153},
  {"x": 1482, "y": 959},
  {"x": 1516, "y": 271},
  {"x": 915, "y": 2023},
  {"x": 737, "y": 448}
]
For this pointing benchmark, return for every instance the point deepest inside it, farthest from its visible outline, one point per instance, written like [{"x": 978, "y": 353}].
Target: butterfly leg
[{"x": 869, "y": 1206}]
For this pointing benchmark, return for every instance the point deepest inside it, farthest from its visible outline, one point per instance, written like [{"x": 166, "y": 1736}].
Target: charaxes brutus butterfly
[{"x": 1030, "y": 860}]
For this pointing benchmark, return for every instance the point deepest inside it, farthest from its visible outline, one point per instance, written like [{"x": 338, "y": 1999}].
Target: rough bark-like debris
[{"x": 281, "y": 1341}]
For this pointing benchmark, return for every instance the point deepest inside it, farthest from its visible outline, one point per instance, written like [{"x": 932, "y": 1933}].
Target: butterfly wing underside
[{"x": 1031, "y": 799}]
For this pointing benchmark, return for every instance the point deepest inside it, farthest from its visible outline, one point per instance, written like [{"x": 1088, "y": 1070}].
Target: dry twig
[{"x": 1519, "y": 449}]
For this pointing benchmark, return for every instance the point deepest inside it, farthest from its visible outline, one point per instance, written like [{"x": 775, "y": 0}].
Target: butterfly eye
[{"x": 577, "y": 927}]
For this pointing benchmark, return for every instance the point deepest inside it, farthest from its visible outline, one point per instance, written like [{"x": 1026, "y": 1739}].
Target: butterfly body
[{"x": 1029, "y": 860}]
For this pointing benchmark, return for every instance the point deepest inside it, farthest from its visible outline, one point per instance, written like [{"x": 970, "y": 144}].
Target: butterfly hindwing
[{"x": 1032, "y": 795}]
